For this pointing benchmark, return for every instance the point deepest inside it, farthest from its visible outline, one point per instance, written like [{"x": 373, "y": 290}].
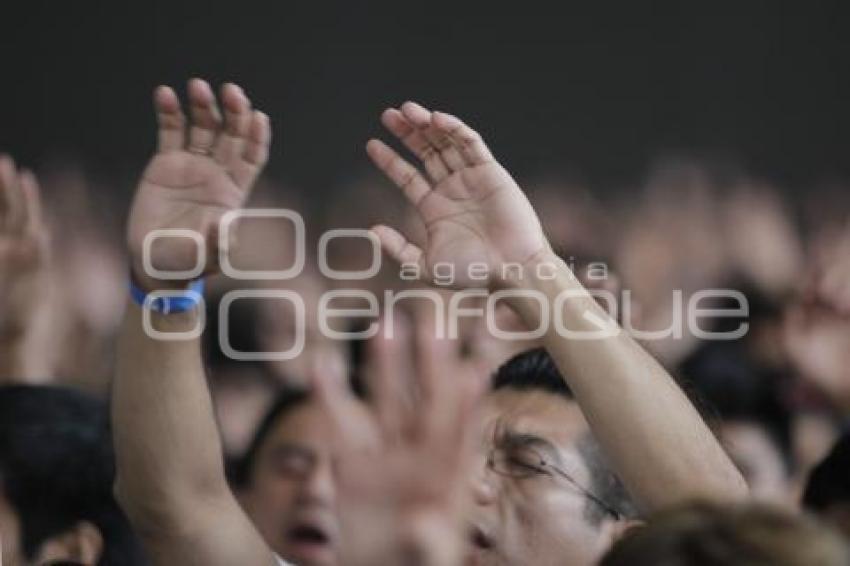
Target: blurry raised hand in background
[
  {"x": 411, "y": 507},
  {"x": 24, "y": 277},
  {"x": 817, "y": 326}
]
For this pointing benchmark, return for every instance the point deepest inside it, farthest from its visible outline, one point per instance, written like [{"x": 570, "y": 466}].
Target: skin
[
  {"x": 280, "y": 498},
  {"x": 10, "y": 535},
  {"x": 402, "y": 468},
  {"x": 24, "y": 271},
  {"x": 540, "y": 520},
  {"x": 760, "y": 460}
]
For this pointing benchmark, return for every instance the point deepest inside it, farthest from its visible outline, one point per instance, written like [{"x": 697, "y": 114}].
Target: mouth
[
  {"x": 308, "y": 535},
  {"x": 479, "y": 539}
]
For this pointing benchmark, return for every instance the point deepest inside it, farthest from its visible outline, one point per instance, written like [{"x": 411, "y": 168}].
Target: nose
[
  {"x": 483, "y": 482},
  {"x": 318, "y": 486}
]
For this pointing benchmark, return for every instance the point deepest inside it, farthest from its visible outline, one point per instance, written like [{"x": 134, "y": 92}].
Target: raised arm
[
  {"x": 477, "y": 215},
  {"x": 170, "y": 478}
]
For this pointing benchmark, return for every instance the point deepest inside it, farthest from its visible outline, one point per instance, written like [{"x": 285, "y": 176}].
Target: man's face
[
  {"x": 525, "y": 517},
  {"x": 291, "y": 494}
]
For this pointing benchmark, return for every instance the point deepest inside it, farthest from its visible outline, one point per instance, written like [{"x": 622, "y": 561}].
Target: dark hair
[
  {"x": 535, "y": 370},
  {"x": 57, "y": 468},
  {"x": 287, "y": 401},
  {"x": 829, "y": 482},
  {"x": 726, "y": 384},
  {"x": 705, "y": 534}
]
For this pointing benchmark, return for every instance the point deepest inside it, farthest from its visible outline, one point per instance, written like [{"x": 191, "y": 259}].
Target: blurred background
[{"x": 593, "y": 90}]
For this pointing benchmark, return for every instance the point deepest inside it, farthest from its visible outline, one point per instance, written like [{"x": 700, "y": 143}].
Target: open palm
[
  {"x": 24, "y": 244},
  {"x": 473, "y": 210},
  {"x": 405, "y": 467},
  {"x": 196, "y": 176}
]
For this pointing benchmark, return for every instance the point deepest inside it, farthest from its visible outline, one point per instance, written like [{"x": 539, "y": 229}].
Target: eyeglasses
[{"x": 524, "y": 461}]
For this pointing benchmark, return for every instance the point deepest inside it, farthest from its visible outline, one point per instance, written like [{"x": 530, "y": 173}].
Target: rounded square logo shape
[
  {"x": 155, "y": 273},
  {"x": 152, "y": 332},
  {"x": 261, "y": 274},
  {"x": 331, "y": 273},
  {"x": 224, "y": 324}
]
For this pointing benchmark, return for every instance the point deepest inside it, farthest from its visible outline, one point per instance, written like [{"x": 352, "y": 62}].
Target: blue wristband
[{"x": 172, "y": 301}]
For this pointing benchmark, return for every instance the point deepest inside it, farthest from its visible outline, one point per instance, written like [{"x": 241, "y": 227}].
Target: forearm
[
  {"x": 654, "y": 437},
  {"x": 26, "y": 333},
  {"x": 167, "y": 445}
]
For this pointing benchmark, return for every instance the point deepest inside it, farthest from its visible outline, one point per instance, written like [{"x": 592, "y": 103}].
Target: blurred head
[
  {"x": 827, "y": 492},
  {"x": 286, "y": 481},
  {"x": 56, "y": 475},
  {"x": 751, "y": 535},
  {"x": 542, "y": 490},
  {"x": 743, "y": 405}
]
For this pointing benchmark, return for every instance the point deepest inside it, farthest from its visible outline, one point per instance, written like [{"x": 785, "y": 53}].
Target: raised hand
[
  {"x": 473, "y": 210},
  {"x": 832, "y": 281},
  {"x": 406, "y": 467},
  {"x": 817, "y": 327},
  {"x": 24, "y": 240},
  {"x": 196, "y": 176},
  {"x": 816, "y": 339}
]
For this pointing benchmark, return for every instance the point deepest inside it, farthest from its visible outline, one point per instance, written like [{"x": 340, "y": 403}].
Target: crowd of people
[{"x": 457, "y": 368}]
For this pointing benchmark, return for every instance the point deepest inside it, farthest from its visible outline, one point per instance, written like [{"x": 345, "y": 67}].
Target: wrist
[
  {"x": 170, "y": 301},
  {"x": 546, "y": 283},
  {"x": 528, "y": 274},
  {"x": 140, "y": 278}
]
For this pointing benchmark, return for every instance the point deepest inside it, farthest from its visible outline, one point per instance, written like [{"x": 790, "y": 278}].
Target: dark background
[{"x": 594, "y": 89}]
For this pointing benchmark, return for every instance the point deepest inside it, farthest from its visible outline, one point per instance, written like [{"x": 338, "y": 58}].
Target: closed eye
[{"x": 525, "y": 465}]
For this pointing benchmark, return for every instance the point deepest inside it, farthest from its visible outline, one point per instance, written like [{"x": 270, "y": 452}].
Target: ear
[
  {"x": 82, "y": 544},
  {"x": 623, "y": 527},
  {"x": 613, "y": 530}
]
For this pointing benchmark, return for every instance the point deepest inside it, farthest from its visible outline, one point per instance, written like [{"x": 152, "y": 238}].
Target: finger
[
  {"x": 398, "y": 247},
  {"x": 169, "y": 116},
  {"x": 256, "y": 151},
  {"x": 422, "y": 118},
  {"x": 473, "y": 388},
  {"x": 332, "y": 395},
  {"x": 835, "y": 290},
  {"x": 829, "y": 286},
  {"x": 206, "y": 118},
  {"x": 33, "y": 216},
  {"x": 415, "y": 141},
  {"x": 431, "y": 355},
  {"x": 13, "y": 199},
  {"x": 384, "y": 378},
  {"x": 400, "y": 172},
  {"x": 441, "y": 384},
  {"x": 7, "y": 181},
  {"x": 237, "y": 119},
  {"x": 467, "y": 140}
]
